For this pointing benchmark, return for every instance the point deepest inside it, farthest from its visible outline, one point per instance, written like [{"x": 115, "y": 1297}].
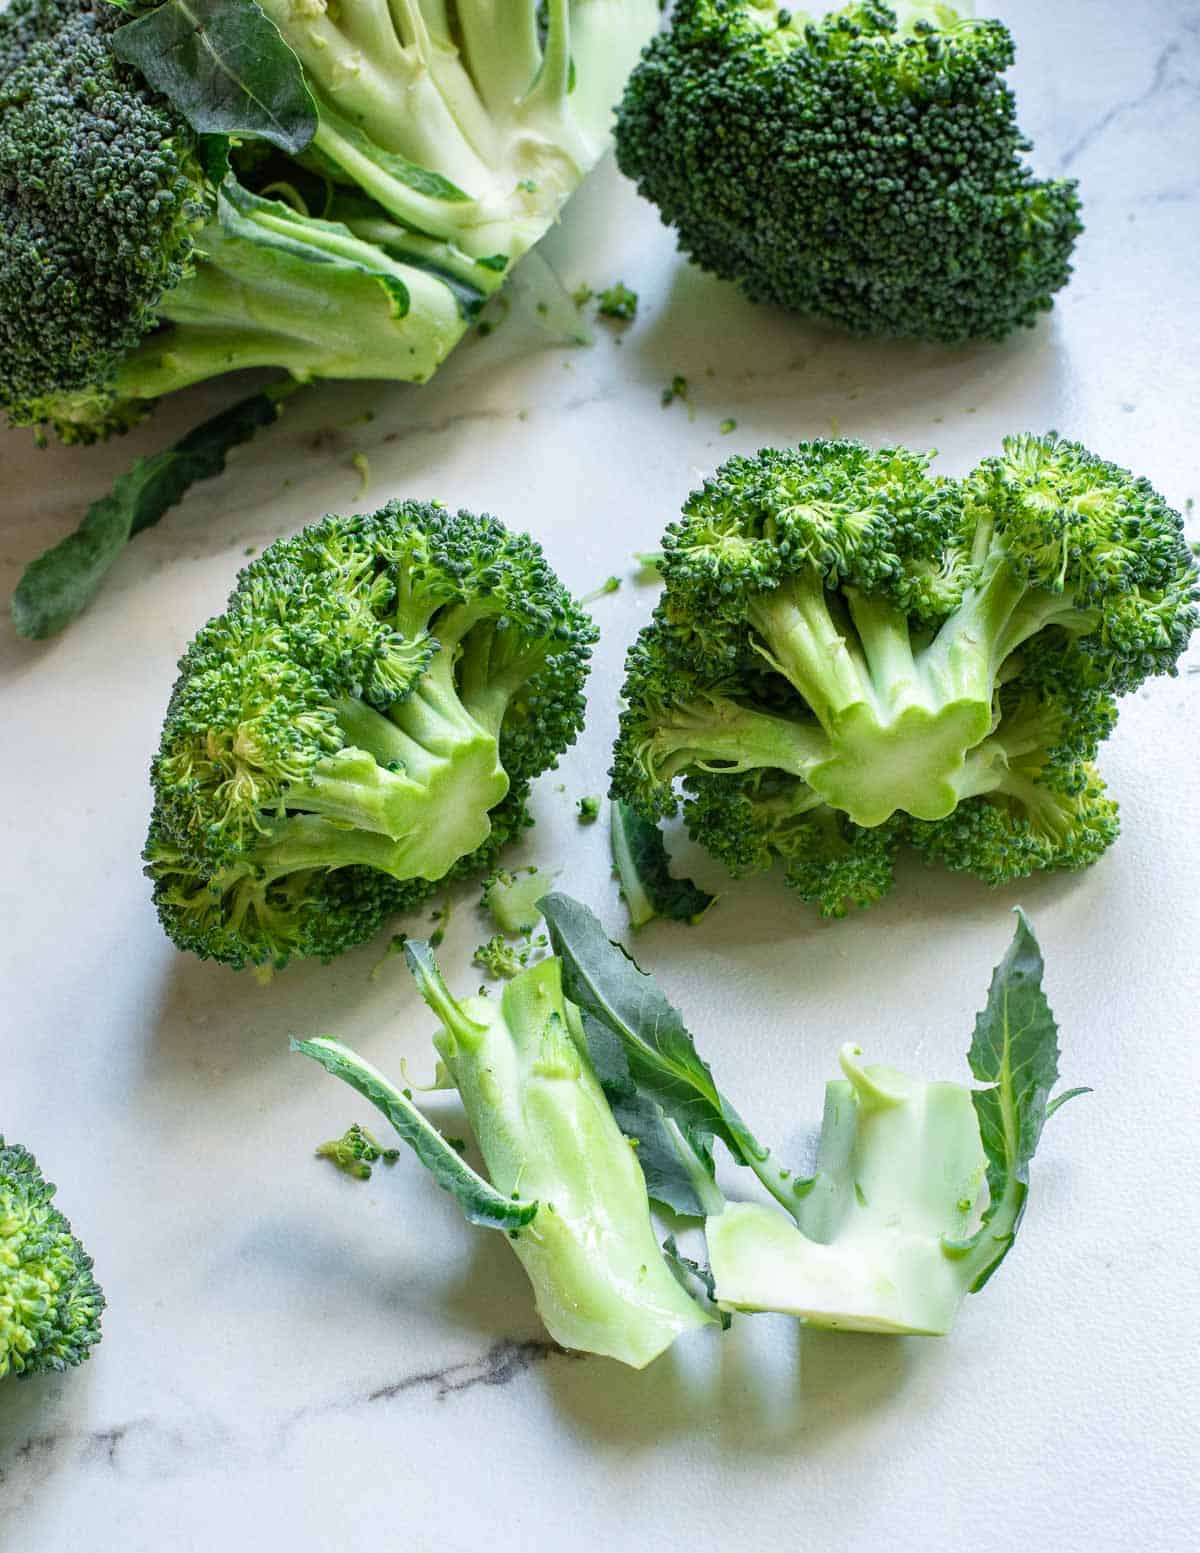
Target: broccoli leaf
[
  {"x": 57, "y": 585},
  {"x": 649, "y": 888},
  {"x": 675, "y": 1179},
  {"x": 664, "y": 1065},
  {"x": 1014, "y": 1050},
  {"x": 224, "y": 65},
  {"x": 686, "y": 1270},
  {"x": 480, "y": 1202}
]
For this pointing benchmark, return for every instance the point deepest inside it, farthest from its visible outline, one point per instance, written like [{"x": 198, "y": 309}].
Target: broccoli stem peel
[
  {"x": 363, "y": 722},
  {"x": 851, "y": 653}
]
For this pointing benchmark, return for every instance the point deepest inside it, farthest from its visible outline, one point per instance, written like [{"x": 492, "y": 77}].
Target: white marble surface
[{"x": 295, "y": 1361}]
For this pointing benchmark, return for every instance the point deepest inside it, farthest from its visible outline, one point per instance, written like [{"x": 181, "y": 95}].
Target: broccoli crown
[
  {"x": 50, "y": 1303},
  {"x": 851, "y": 652},
  {"x": 849, "y": 168},
  {"x": 361, "y": 723},
  {"x": 99, "y": 200}
]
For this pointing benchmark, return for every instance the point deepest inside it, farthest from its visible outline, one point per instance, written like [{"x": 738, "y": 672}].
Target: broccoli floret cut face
[
  {"x": 50, "y": 1303},
  {"x": 361, "y": 724},
  {"x": 100, "y": 197},
  {"x": 851, "y": 653},
  {"x": 851, "y": 168}
]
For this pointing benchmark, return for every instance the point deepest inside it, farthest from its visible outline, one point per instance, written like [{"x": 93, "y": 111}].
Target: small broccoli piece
[
  {"x": 355, "y": 1152},
  {"x": 50, "y": 1303},
  {"x": 512, "y": 899},
  {"x": 677, "y": 388},
  {"x": 919, "y": 1188},
  {"x": 643, "y": 869},
  {"x": 362, "y": 724},
  {"x": 851, "y": 653},
  {"x": 589, "y": 809},
  {"x": 564, "y": 1184},
  {"x": 609, "y": 585},
  {"x": 618, "y": 302},
  {"x": 727, "y": 425},
  {"x": 500, "y": 959},
  {"x": 858, "y": 167}
]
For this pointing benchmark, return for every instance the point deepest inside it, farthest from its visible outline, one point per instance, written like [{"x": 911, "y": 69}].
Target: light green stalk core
[
  {"x": 894, "y": 726},
  {"x": 883, "y": 1238}
]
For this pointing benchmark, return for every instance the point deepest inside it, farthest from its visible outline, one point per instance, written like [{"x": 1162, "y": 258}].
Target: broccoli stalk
[
  {"x": 919, "y": 1188},
  {"x": 363, "y": 713},
  {"x": 847, "y": 643},
  {"x": 579, "y": 1216}
]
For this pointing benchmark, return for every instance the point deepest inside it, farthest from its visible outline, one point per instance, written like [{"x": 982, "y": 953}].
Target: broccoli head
[
  {"x": 355, "y": 235},
  {"x": 50, "y": 1304},
  {"x": 859, "y": 168},
  {"x": 852, "y": 652},
  {"x": 361, "y": 723}
]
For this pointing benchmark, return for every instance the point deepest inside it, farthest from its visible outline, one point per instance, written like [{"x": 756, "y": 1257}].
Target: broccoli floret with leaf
[
  {"x": 564, "y": 1183},
  {"x": 50, "y": 1302},
  {"x": 851, "y": 653},
  {"x": 377, "y": 173},
  {"x": 861, "y": 164},
  {"x": 360, "y": 725}
]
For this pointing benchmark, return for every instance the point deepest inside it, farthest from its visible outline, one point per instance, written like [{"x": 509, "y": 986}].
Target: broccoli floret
[
  {"x": 50, "y": 1303},
  {"x": 589, "y": 808},
  {"x": 564, "y": 1183},
  {"x": 619, "y": 302},
  {"x": 137, "y": 257},
  {"x": 356, "y": 1152},
  {"x": 919, "y": 1188},
  {"x": 360, "y": 725},
  {"x": 857, "y": 168},
  {"x": 851, "y": 652}
]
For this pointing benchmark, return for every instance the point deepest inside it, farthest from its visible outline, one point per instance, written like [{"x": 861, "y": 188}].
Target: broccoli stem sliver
[{"x": 546, "y": 1131}]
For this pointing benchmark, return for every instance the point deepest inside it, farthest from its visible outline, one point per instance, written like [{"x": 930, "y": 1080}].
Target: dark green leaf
[
  {"x": 686, "y": 1270},
  {"x": 55, "y": 587},
  {"x": 643, "y": 869},
  {"x": 225, "y": 67},
  {"x": 607, "y": 987},
  {"x": 1067, "y": 1094},
  {"x": 480, "y": 1202},
  {"x": 1015, "y": 1051}
]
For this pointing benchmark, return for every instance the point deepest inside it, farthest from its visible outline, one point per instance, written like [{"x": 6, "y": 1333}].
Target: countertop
[{"x": 294, "y": 1360}]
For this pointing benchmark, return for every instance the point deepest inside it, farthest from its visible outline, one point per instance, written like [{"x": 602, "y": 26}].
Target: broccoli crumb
[
  {"x": 589, "y": 809},
  {"x": 618, "y": 302},
  {"x": 442, "y": 918},
  {"x": 582, "y": 295},
  {"x": 728, "y": 425},
  {"x": 676, "y": 389},
  {"x": 609, "y": 585},
  {"x": 500, "y": 959},
  {"x": 355, "y": 1152},
  {"x": 362, "y": 466}
]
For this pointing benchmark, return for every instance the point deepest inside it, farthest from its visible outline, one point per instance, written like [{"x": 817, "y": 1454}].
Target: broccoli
[
  {"x": 919, "y": 1188},
  {"x": 619, "y": 302},
  {"x": 50, "y": 1304},
  {"x": 565, "y": 1184},
  {"x": 361, "y": 723},
  {"x": 858, "y": 167},
  {"x": 500, "y": 959},
  {"x": 512, "y": 899},
  {"x": 851, "y": 653},
  {"x": 331, "y": 191},
  {"x": 643, "y": 870},
  {"x": 356, "y": 1152},
  {"x": 588, "y": 808}
]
